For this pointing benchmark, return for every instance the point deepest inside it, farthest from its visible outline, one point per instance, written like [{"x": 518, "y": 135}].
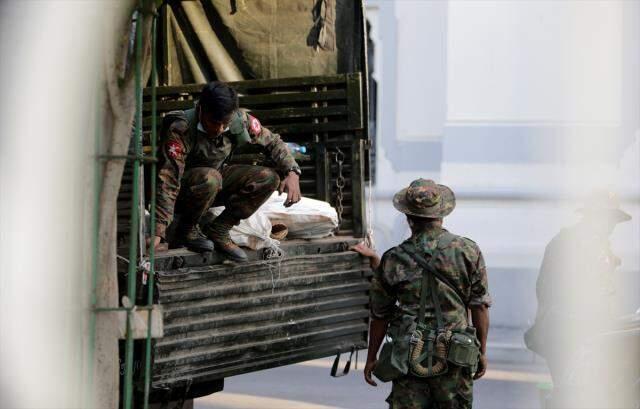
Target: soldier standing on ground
[
  {"x": 576, "y": 300},
  {"x": 193, "y": 173},
  {"x": 459, "y": 285}
]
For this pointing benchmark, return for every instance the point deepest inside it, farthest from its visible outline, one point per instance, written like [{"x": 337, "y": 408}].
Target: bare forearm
[
  {"x": 374, "y": 261},
  {"x": 480, "y": 319},
  {"x": 377, "y": 331}
]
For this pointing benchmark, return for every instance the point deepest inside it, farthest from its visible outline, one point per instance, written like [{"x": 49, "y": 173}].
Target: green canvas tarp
[{"x": 231, "y": 40}]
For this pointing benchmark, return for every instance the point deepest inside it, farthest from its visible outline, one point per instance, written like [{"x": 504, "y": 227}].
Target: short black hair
[
  {"x": 218, "y": 100},
  {"x": 422, "y": 222}
]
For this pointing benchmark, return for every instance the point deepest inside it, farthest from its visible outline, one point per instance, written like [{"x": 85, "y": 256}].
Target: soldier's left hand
[
  {"x": 368, "y": 371},
  {"x": 291, "y": 186},
  {"x": 482, "y": 367}
]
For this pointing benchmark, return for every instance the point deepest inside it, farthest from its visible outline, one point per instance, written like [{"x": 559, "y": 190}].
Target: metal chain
[{"x": 340, "y": 184}]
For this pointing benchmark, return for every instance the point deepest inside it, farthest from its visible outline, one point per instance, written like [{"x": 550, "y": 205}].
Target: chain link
[{"x": 340, "y": 184}]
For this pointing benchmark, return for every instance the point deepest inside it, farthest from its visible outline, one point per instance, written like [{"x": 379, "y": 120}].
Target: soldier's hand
[
  {"x": 482, "y": 367},
  {"x": 367, "y": 251},
  {"x": 155, "y": 242},
  {"x": 291, "y": 186},
  {"x": 368, "y": 369},
  {"x": 363, "y": 249}
]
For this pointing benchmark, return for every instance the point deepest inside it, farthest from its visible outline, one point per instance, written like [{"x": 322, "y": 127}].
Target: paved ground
[{"x": 309, "y": 386}]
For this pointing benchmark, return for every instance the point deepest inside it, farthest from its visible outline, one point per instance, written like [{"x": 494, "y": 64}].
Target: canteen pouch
[
  {"x": 393, "y": 361},
  {"x": 464, "y": 348},
  {"x": 384, "y": 369}
]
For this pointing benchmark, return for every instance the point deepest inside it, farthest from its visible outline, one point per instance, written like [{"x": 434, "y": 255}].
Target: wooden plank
[
  {"x": 164, "y": 106},
  {"x": 248, "y": 85},
  {"x": 222, "y": 319},
  {"x": 207, "y": 306},
  {"x": 196, "y": 279},
  {"x": 291, "y": 97},
  {"x": 290, "y": 82},
  {"x": 220, "y": 337},
  {"x": 253, "y": 348},
  {"x": 310, "y": 127},
  {"x": 240, "y": 365},
  {"x": 322, "y": 174},
  {"x": 259, "y": 286},
  {"x": 354, "y": 100},
  {"x": 295, "y": 113}
]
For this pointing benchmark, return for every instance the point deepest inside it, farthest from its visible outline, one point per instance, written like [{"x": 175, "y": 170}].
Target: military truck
[{"x": 300, "y": 67}]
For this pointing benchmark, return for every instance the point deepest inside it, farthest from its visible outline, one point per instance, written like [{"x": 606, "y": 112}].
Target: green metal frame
[
  {"x": 136, "y": 215},
  {"x": 152, "y": 222}
]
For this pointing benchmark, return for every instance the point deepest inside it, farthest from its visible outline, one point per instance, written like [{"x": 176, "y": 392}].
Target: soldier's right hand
[{"x": 368, "y": 370}]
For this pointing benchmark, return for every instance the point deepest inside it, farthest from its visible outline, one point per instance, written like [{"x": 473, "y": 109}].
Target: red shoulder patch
[
  {"x": 174, "y": 149},
  {"x": 254, "y": 125}
]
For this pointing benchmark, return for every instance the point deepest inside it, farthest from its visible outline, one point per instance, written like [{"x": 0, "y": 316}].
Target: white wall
[{"x": 528, "y": 106}]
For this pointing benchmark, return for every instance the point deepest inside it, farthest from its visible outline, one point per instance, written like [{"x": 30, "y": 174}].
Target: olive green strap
[
  {"x": 427, "y": 280},
  {"x": 426, "y": 264},
  {"x": 436, "y": 302},
  {"x": 423, "y": 296}
]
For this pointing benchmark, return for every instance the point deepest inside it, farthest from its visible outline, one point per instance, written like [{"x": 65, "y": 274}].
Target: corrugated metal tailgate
[{"x": 227, "y": 319}]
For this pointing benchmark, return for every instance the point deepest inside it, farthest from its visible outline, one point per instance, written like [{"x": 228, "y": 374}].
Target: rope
[
  {"x": 369, "y": 238},
  {"x": 272, "y": 252}
]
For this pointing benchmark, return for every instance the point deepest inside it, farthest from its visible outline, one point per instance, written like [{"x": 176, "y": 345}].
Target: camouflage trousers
[
  {"x": 241, "y": 189},
  {"x": 453, "y": 390}
]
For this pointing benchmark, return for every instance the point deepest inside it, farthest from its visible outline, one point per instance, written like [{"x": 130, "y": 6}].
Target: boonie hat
[
  {"x": 603, "y": 203},
  {"x": 425, "y": 198}
]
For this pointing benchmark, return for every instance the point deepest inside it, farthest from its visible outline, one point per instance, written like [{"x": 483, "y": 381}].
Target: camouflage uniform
[
  {"x": 576, "y": 306},
  {"x": 567, "y": 317},
  {"x": 193, "y": 174},
  {"x": 398, "y": 280}
]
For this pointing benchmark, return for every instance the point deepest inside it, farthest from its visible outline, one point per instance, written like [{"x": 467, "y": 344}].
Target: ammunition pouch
[{"x": 433, "y": 350}]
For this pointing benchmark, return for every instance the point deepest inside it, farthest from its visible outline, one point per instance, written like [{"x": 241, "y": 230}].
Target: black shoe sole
[{"x": 231, "y": 257}]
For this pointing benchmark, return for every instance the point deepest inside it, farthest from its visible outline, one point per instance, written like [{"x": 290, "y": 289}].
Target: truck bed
[{"x": 223, "y": 319}]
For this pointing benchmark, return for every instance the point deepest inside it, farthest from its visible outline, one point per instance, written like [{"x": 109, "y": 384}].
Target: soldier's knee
[
  {"x": 269, "y": 179},
  {"x": 275, "y": 181},
  {"x": 207, "y": 181},
  {"x": 214, "y": 180}
]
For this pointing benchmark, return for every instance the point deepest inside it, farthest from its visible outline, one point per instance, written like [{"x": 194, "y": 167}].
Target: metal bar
[
  {"x": 357, "y": 188},
  {"x": 141, "y": 158},
  {"x": 152, "y": 209},
  {"x": 133, "y": 234},
  {"x": 130, "y": 309}
]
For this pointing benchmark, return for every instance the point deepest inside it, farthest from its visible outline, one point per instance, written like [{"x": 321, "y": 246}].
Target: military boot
[
  {"x": 191, "y": 237},
  {"x": 218, "y": 232}
]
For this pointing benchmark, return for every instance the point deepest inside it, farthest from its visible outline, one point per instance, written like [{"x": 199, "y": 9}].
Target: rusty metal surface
[{"x": 227, "y": 319}]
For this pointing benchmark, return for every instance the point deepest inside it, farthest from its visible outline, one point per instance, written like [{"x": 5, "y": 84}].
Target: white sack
[
  {"x": 307, "y": 219},
  {"x": 253, "y": 232}
]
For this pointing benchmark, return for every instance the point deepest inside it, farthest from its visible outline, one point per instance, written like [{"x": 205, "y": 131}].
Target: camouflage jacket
[
  {"x": 185, "y": 146},
  {"x": 399, "y": 279}
]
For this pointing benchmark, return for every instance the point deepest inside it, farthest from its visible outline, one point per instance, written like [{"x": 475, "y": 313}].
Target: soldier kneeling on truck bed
[{"x": 193, "y": 173}]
